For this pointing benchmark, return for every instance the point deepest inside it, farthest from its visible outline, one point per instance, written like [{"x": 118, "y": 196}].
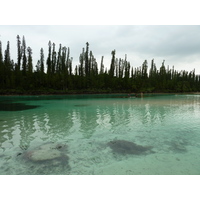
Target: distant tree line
[{"x": 55, "y": 74}]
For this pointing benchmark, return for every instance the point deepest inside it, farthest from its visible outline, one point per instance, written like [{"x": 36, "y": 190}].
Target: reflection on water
[{"x": 168, "y": 124}]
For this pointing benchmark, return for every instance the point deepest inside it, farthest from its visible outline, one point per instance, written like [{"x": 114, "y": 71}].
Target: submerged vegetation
[{"x": 55, "y": 74}]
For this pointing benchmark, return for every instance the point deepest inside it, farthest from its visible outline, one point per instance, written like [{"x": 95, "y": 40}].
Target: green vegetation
[{"x": 22, "y": 78}]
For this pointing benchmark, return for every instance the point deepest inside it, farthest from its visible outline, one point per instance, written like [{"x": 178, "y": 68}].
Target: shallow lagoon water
[{"x": 76, "y": 131}]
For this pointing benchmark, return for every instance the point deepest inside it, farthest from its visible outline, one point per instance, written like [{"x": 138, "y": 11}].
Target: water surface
[{"x": 100, "y": 134}]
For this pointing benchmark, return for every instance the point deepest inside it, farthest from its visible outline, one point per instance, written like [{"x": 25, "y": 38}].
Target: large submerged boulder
[
  {"x": 127, "y": 147},
  {"x": 48, "y": 153}
]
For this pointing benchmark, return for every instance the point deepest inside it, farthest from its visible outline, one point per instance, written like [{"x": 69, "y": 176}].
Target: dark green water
[{"x": 100, "y": 134}]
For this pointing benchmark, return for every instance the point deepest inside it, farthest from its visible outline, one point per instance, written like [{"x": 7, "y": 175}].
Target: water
[{"x": 72, "y": 134}]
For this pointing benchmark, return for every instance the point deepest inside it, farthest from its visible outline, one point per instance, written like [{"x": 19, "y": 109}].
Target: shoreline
[{"x": 136, "y": 94}]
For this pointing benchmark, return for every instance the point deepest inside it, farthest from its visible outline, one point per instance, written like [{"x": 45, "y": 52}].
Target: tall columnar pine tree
[
  {"x": 30, "y": 60},
  {"x": 42, "y": 60},
  {"x": 93, "y": 65},
  {"x": 24, "y": 59},
  {"x": 53, "y": 61},
  {"x": 49, "y": 62},
  {"x": 144, "y": 70},
  {"x": 58, "y": 62},
  {"x": 68, "y": 61},
  {"x": 102, "y": 66},
  {"x": 127, "y": 68},
  {"x": 7, "y": 60},
  {"x": 70, "y": 66},
  {"x": 63, "y": 60},
  {"x": 81, "y": 60},
  {"x": 87, "y": 65},
  {"x": 19, "y": 54},
  {"x": 120, "y": 67},
  {"x": 162, "y": 69},
  {"x": 112, "y": 65}
]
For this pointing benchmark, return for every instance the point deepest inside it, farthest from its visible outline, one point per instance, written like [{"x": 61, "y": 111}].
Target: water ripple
[{"x": 170, "y": 124}]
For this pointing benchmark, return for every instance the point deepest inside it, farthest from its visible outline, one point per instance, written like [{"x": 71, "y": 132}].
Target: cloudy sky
[{"x": 179, "y": 46}]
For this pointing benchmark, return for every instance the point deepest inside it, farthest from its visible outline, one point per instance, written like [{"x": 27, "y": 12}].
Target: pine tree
[
  {"x": 144, "y": 70},
  {"x": 63, "y": 60},
  {"x": 127, "y": 68},
  {"x": 120, "y": 68},
  {"x": 70, "y": 66},
  {"x": 162, "y": 76},
  {"x": 81, "y": 59},
  {"x": 112, "y": 65},
  {"x": 53, "y": 61},
  {"x": 49, "y": 62},
  {"x": 30, "y": 60},
  {"x": 87, "y": 66},
  {"x": 24, "y": 59},
  {"x": 162, "y": 69},
  {"x": 42, "y": 60},
  {"x": 68, "y": 62},
  {"x": 19, "y": 53},
  {"x": 58, "y": 63},
  {"x": 76, "y": 71},
  {"x": 38, "y": 66},
  {"x": 7, "y": 60},
  {"x": 102, "y": 66},
  {"x": 116, "y": 68}
]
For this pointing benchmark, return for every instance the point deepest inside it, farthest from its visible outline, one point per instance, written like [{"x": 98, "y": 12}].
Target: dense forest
[{"x": 56, "y": 75}]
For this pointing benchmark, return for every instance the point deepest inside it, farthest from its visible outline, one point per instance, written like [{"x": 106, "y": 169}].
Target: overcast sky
[{"x": 179, "y": 46}]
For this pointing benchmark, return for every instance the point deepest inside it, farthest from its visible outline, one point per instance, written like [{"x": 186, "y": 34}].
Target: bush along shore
[{"x": 55, "y": 74}]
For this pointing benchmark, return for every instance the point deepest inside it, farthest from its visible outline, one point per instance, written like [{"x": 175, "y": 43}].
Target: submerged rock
[
  {"x": 51, "y": 153},
  {"x": 127, "y": 147},
  {"x": 81, "y": 105},
  {"x": 43, "y": 154},
  {"x": 48, "y": 158},
  {"x": 9, "y": 106}
]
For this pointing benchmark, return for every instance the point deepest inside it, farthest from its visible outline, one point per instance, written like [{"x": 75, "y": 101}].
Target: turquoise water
[{"x": 73, "y": 134}]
